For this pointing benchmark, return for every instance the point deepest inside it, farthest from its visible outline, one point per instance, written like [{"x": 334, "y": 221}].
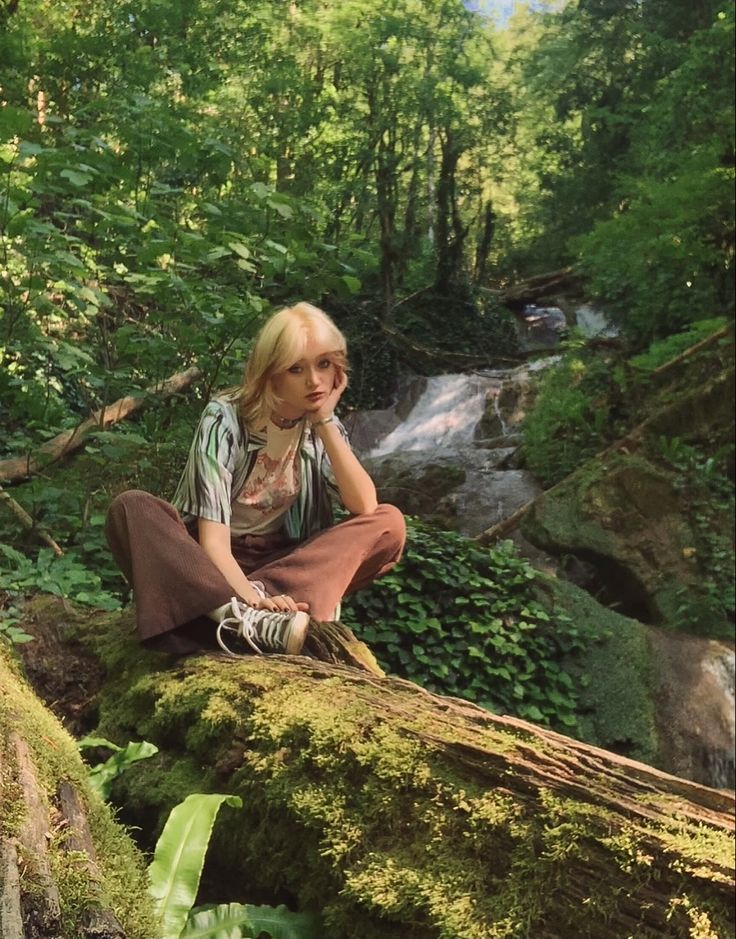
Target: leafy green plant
[
  {"x": 571, "y": 417},
  {"x": 64, "y": 576},
  {"x": 467, "y": 621},
  {"x": 707, "y": 492},
  {"x": 10, "y": 632},
  {"x": 175, "y": 873},
  {"x": 663, "y": 350},
  {"x": 102, "y": 775}
]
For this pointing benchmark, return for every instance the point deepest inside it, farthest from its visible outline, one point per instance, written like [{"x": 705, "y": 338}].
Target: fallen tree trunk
[
  {"x": 538, "y": 287},
  {"x": 71, "y": 440},
  {"x": 66, "y": 868},
  {"x": 443, "y": 358},
  {"x": 397, "y": 812},
  {"x": 27, "y": 522}
]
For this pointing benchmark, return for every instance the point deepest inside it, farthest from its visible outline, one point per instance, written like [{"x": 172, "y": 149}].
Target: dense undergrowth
[
  {"x": 468, "y": 622},
  {"x": 593, "y": 396}
]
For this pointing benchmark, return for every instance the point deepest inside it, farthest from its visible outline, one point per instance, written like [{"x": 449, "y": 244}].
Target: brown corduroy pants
[{"x": 175, "y": 584}]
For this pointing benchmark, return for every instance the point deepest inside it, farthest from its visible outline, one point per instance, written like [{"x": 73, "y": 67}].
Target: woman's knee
[
  {"x": 135, "y": 502},
  {"x": 393, "y": 522}
]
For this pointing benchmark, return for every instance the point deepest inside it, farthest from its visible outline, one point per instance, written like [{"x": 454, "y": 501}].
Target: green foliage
[
  {"x": 467, "y": 621},
  {"x": 656, "y": 265},
  {"x": 103, "y": 775},
  {"x": 707, "y": 490},
  {"x": 588, "y": 399},
  {"x": 65, "y": 576},
  {"x": 229, "y": 920},
  {"x": 179, "y": 857},
  {"x": 626, "y": 114},
  {"x": 571, "y": 416},
  {"x": 10, "y": 631},
  {"x": 175, "y": 873},
  {"x": 664, "y": 350}
]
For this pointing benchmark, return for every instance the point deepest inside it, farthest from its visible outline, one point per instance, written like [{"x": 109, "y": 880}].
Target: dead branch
[{"x": 27, "y": 522}]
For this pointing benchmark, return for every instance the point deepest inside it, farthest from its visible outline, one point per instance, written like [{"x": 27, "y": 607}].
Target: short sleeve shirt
[{"x": 222, "y": 456}]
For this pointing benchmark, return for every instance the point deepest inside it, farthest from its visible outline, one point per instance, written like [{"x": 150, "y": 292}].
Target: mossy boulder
[
  {"x": 652, "y": 694},
  {"x": 399, "y": 813},
  {"x": 631, "y": 520}
]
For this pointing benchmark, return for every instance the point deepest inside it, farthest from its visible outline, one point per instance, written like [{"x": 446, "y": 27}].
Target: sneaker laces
[
  {"x": 254, "y": 626},
  {"x": 242, "y": 621}
]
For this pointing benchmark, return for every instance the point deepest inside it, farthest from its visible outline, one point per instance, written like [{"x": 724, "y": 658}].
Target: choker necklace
[{"x": 285, "y": 423}]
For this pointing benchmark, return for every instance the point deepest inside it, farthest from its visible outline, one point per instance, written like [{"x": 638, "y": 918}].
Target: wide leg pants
[{"x": 175, "y": 584}]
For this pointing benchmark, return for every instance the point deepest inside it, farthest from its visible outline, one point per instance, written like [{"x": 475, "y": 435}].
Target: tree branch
[{"x": 69, "y": 440}]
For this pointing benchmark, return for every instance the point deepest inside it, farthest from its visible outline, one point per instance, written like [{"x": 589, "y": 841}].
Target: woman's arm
[
  {"x": 214, "y": 538},
  {"x": 356, "y": 488}
]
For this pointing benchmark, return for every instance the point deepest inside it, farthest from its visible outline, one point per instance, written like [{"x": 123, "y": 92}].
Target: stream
[{"x": 445, "y": 451}]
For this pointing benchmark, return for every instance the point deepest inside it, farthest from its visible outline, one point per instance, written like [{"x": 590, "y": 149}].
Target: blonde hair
[{"x": 279, "y": 344}]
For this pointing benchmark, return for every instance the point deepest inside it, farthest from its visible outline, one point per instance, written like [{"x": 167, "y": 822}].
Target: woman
[{"x": 248, "y": 542}]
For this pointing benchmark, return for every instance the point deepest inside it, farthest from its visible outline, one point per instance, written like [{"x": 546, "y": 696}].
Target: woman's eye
[
  {"x": 295, "y": 369},
  {"x": 325, "y": 363}
]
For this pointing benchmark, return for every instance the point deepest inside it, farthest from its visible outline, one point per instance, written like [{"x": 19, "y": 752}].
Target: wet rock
[{"x": 694, "y": 689}]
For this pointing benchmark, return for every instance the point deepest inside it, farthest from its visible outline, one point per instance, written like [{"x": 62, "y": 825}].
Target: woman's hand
[
  {"x": 279, "y": 604},
  {"x": 327, "y": 408}
]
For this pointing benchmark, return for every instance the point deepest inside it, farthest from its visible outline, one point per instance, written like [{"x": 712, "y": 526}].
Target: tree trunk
[
  {"x": 398, "y": 812},
  {"x": 57, "y": 878},
  {"x": 451, "y": 233},
  {"x": 483, "y": 248}
]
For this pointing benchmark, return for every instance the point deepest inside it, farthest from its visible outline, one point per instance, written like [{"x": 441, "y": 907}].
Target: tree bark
[
  {"x": 56, "y": 878},
  {"x": 70, "y": 440},
  {"x": 402, "y": 813},
  {"x": 538, "y": 287}
]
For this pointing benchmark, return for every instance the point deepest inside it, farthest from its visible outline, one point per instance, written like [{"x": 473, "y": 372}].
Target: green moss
[
  {"x": 365, "y": 818},
  {"x": 122, "y": 883},
  {"x": 352, "y": 805},
  {"x": 616, "y": 700}
]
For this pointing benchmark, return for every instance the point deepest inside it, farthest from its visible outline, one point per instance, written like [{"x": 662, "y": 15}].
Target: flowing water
[
  {"x": 466, "y": 422},
  {"x": 473, "y": 422},
  {"x": 445, "y": 416}
]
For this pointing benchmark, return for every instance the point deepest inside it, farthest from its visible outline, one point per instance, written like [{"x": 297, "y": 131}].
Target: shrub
[
  {"x": 467, "y": 621},
  {"x": 570, "y": 416}
]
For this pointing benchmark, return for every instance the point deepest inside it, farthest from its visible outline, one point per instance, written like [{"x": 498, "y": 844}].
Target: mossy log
[
  {"x": 67, "y": 869},
  {"x": 548, "y": 285},
  {"x": 396, "y": 812}
]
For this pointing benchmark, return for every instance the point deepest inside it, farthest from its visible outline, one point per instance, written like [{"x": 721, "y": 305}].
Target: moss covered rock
[
  {"x": 631, "y": 520},
  {"x": 653, "y": 694}
]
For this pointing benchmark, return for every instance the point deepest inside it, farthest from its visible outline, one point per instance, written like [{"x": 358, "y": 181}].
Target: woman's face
[{"x": 305, "y": 385}]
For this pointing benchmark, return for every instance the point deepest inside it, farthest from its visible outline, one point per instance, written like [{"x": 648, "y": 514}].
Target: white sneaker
[{"x": 262, "y": 630}]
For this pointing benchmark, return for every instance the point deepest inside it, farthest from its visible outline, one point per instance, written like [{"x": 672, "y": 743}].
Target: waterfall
[
  {"x": 460, "y": 428},
  {"x": 445, "y": 416},
  {"x": 592, "y": 322}
]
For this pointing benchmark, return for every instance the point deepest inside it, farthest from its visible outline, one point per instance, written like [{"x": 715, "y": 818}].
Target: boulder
[{"x": 631, "y": 521}]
